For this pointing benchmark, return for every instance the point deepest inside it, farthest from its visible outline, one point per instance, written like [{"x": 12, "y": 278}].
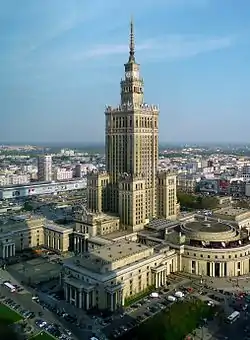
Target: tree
[
  {"x": 27, "y": 206},
  {"x": 5, "y": 330},
  {"x": 191, "y": 201}
]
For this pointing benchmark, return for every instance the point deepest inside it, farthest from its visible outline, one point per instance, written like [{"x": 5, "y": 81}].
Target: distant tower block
[{"x": 44, "y": 165}]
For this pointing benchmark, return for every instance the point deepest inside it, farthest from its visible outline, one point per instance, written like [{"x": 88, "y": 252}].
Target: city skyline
[{"x": 194, "y": 57}]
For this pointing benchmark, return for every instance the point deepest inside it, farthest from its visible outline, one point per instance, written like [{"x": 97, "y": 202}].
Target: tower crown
[{"x": 132, "y": 84}]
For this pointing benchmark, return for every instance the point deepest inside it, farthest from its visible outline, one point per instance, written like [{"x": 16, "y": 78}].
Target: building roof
[
  {"x": 207, "y": 227},
  {"x": 104, "y": 258},
  {"x": 231, "y": 212},
  {"x": 117, "y": 251},
  {"x": 58, "y": 228}
]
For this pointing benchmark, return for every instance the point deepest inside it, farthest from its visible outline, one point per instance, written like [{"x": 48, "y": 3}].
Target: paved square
[{"x": 37, "y": 270}]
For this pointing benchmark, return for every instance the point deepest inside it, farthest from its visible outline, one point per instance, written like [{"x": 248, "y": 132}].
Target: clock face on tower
[
  {"x": 128, "y": 74},
  {"x": 132, "y": 74}
]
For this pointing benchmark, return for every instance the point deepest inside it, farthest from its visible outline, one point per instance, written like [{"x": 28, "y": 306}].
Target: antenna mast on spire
[{"x": 132, "y": 42}]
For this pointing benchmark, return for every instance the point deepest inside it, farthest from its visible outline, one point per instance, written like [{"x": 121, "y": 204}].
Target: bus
[
  {"x": 9, "y": 286},
  {"x": 233, "y": 317}
]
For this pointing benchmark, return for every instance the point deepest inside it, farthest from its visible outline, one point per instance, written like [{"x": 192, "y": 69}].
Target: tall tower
[
  {"x": 132, "y": 148},
  {"x": 44, "y": 165}
]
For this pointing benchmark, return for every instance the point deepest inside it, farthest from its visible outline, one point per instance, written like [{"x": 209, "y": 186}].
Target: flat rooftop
[
  {"x": 96, "y": 259},
  {"x": 117, "y": 251},
  {"x": 20, "y": 219},
  {"x": 117, "y": 234},
  {"x": 207, "y": 227},
  {"x": 230, "y": 211},
  {"x": 60, "y": 228}
]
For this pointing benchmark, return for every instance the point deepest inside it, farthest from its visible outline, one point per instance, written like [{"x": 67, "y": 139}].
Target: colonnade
[
  {"x": 84, "y": 299},
  {"x": 80, "y": 298},
  {"x": 53, "y": 242},
  {"x": 114, "y": 300},
  {"x": 160, "y": 278},
  {"x": 8, "y": 250},
  {"x": 80, "y": 244}
]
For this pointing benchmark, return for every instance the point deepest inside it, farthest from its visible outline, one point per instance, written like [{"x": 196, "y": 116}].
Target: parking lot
[{"x": 60, "y": 316}]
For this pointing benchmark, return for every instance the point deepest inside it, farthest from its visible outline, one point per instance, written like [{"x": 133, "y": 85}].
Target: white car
[{"x": 171, "y": 298}]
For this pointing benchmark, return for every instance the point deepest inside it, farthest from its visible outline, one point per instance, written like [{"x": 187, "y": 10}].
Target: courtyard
[{"x": 35, "y": 270}]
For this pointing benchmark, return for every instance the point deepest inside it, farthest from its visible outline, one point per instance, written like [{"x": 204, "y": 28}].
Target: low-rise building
[
  {"x": 241, "y": 216},
  {"x": 57, "y": 237},
  {"x": 104, "y": 278},
  {"x": 40, "y": 188},
  {"x": 31, "y": 231}
]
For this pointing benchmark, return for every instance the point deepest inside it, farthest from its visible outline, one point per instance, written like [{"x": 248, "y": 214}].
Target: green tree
[
  {"x": 27, "y": 206},
  {"x": 6, "y": 332}
]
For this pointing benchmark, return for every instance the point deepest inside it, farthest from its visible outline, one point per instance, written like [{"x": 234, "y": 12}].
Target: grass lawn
[
  {"x": 43, "y": 336},
  {"x": 9, "y": 315}
]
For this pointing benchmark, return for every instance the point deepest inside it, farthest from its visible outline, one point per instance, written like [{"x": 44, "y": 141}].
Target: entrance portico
[
  {"x": 114, "y": 296},
  {"x": 79, "y": 294},
  {"x": 8, "y": 250},
  {"x": 160, "y": 274}
]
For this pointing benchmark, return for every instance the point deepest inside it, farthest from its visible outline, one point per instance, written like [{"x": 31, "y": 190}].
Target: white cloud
[{"x": 168, "y": 48}]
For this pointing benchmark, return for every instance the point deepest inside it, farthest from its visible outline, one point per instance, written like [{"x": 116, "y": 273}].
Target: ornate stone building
[
  {"x": 31, "y": 231},
  {"x": 132, "y": 188}
]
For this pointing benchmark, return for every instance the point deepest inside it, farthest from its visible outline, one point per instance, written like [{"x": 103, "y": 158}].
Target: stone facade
[
  {"x": 105, "y": 277},
  {"x": 131, "y": 188},
  {"x": 31, "y": 232}
]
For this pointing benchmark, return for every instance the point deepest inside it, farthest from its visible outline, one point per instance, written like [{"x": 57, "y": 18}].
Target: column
[
  {"x": 156, "y": 280},
  {"x": 3, "y": 252},
  {"x": 221, "y": 269},
  {"x": 80, "y": 300},
  {"x": 75, "y": 243},
  {"x": 87, "y": 301},
  {"x": 112, "y": 302},
  {"x": 76, "y": 297},
  {"x": 70, "y": 294},
  {"x": 122, "y": 298},
  {"x": 66, "y": 292},
  {"x": 14, "y": 250}
]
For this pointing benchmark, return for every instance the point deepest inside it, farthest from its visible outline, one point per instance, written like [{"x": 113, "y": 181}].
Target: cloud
[{"x": 170, "y": 47}]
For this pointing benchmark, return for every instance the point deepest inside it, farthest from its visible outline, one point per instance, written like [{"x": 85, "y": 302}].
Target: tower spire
[{"x": 132, "y": 42}]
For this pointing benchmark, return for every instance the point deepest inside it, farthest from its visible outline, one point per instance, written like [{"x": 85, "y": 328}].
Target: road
[{"x": 25, "y": 300}]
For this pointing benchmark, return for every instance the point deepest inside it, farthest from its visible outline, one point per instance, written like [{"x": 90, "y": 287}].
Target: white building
[
  {"x": 44, "y": 165},
  {"x": 14, "y": 179},
  {"x": 61, "y": 174}
]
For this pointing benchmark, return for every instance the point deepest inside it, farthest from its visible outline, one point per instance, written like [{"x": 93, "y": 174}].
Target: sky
[{"x": 61, "y": 62}]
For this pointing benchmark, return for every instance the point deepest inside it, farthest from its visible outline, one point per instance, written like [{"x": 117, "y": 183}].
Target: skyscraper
[
  {"x": 44, "y": 166},
  {"x": 129, "y": 188}
]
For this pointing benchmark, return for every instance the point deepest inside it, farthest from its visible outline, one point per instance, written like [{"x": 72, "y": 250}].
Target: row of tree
[
  {"x": 177, "y": 323},
  {"x": 190, "y": 201}
]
